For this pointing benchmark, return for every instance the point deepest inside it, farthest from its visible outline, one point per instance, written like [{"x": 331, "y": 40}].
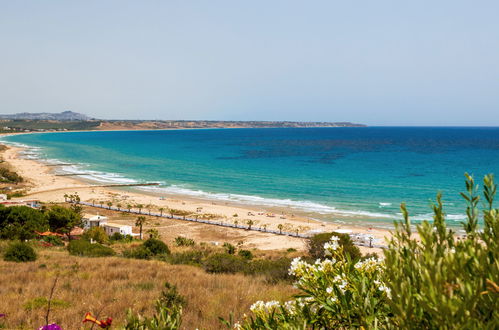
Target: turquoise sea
[{"x": 347, "y": 174}]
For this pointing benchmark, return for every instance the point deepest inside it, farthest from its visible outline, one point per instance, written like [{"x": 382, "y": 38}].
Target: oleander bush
[
  {"x": 431, "y": 280},
  {"x": 19, "y": 252},
  {"x": 84, "y": 248}
]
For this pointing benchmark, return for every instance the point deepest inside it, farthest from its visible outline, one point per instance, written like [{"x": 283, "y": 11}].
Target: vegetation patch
[
  {"x": 42, "y": 302},
  {"x": 84, "y": 248},
  {"x": 20, "y": 252}
]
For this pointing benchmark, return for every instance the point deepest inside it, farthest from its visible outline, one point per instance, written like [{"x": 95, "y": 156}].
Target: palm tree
[
  {"x": 264, "y": 227},
  {"x": 139, "y": 223},
  {"x": 280, "y": 227},
  {"x": 129, "y": 207},
  {"x": 109, "y": 204},
  {"x": 161, "y": 209},
  {"x": 250, "y": 223},
  {"x": 139, "y": 206},
  {"x": 65, "y": 197},
  {"x": 119, "y": 206}
]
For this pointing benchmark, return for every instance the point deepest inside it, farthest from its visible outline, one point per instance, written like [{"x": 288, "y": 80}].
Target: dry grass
[{"x": 115, "y": 284}]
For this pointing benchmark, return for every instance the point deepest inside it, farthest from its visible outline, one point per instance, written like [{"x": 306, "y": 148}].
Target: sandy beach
[{"x": 44, "y": 185}]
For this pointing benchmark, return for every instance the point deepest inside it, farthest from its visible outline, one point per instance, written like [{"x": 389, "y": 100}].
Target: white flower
[
  {"x": 329, "y": 290},
  {"x": 386, "y": 289}
]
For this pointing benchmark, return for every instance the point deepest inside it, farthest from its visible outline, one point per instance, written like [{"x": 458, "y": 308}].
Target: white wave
[
  {"x": 429, "y": 217},
  {"x": 306, "y": 206},
  {"x": 384, "y": 204}
]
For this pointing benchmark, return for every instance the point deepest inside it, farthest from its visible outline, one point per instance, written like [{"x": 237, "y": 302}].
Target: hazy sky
[{"x": 375, "y": 62}]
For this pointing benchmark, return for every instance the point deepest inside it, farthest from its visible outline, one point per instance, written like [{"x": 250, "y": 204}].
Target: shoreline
[{"x": 47, "y": 187}]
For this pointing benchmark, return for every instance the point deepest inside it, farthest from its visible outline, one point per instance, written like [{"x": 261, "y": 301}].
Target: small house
[
  {"x": 112, "y": 228},
  {"x": 94, "y": 221}
]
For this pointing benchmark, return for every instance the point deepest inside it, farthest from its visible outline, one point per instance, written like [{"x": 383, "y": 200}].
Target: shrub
[
  {"x": 433, "y": 281},
  {"x": 273, "y": 270},
  {"x": 246, "y": 254},
  {"x": 118, "y": 237},
  {"x": 316, "y": 243},
  {"x": 84, "y": 248},
  {"x": 186, "y": 258},
  {"x": 139, "y": 252},
  {"x": 168, "y": 312},
  {"x": 98, "y": 234},
  {"x": 53, "y": 240},
  {"x": 224, "y": 263},
  {"x": 229, "y": 248},
  {"x": 156, "y": 246},
  {"x": 183, "y": 241},
  {"x": 19, "y": 252}
]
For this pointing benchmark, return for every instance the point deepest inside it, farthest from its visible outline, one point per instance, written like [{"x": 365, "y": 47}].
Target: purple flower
[
  {"x": 52, "y": 326},
  {"x": 3, "y": 315}
]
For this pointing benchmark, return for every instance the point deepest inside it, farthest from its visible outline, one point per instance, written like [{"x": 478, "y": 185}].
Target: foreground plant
[
  {"x": 336, "y": 293},
  {"x": 430, "y": 280},
  {"x": 168, "y": 313},
  {"x": 440, "y": 281}
]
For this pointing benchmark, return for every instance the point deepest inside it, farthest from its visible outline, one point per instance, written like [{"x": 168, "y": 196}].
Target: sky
[{"x": 373, "y": 62}]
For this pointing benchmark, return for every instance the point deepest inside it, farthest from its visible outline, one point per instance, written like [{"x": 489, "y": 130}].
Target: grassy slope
[{"x": 115, "y": 284}]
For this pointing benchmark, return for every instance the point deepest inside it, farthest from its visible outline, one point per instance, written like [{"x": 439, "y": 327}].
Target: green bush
[
  {"x": 54, "y": 240},
  {"x": 316, "y": 243},
  {"x": 118, "y": 237},
  {"x": 98, "y": 234},
  {"x": 183, "y": 241},
  {"x": 186, "y": 258},
  {"x": 273, "y": 270},
  {"x": 156, "y": 246},
  {"x": 139, "y": 252},
  {"x": 19, "y": 252},
  {"x": 168, "y": 313},
  {"x": 229, "y": 248},
  {"x": 84, "y": 248},
  {"x": 246, "y": 254},
  {"x": 224, "y": 263}
]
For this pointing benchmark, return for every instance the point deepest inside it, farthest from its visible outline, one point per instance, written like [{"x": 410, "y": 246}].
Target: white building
[
  {"x": 94, "y": 221},
  {"x": 112, "y": 228}
]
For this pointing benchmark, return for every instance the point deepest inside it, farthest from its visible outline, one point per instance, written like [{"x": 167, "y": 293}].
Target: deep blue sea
[{"x": 357, "y": 174}]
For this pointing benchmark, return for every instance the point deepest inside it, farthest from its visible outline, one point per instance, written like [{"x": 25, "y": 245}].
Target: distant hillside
[
  {"x": 176, "y": 124},
  {"x": 62, "y": 116}
]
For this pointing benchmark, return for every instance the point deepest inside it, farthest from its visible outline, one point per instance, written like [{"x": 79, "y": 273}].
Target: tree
[
  {"x": 250, "y": 223},
  {"x": 161, "y": 209},
  {"x": 139, "y": 206},
  {"x": 139, "y": 223},
  {"x": 119, "y": 206},
  {"x": 21, "y": 222},
  {"x": 129, "y": 207},
  {"x": 109, "y": 204},
  {"x": 280, "y": 227},
  {"x": 97, "y": 234},
  {"x": 315, "y": 245},
  {"x": 63, "y": 220}
]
